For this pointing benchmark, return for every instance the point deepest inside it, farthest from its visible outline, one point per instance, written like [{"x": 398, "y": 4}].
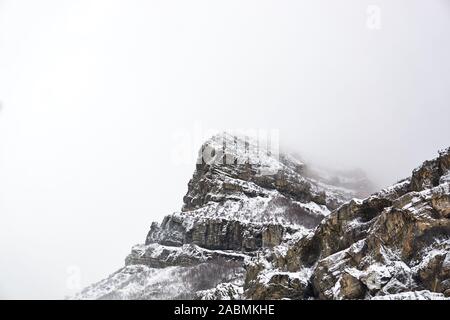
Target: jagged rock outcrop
[
  {"x": 257, "y": 226},
  {"x": 392, "y": 243}
]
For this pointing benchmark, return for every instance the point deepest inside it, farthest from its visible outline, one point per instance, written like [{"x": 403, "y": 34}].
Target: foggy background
[{"x": 95, "y": 95}]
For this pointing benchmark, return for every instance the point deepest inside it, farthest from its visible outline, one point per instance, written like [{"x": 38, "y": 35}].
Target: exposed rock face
[
  {"x": 393, "y": 243},
  {"x": 257, "y": 226}
]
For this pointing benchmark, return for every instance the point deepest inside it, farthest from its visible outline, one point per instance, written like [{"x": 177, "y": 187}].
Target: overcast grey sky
[{"x": 94, "y": 94}]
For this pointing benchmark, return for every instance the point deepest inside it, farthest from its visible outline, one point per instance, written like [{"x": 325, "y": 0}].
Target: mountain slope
[
  {"x": 394, "y": 244},
  {"x": 257, "y": 226}
]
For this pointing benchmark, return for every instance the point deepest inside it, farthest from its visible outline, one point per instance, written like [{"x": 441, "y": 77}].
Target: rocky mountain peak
[
  {"x": 230, "y": 165},
  {"x": 260, "y": 224}
]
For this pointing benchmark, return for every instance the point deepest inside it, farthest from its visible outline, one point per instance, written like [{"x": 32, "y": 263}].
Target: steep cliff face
[
  {"x": 245, "y": 200},
  {"x": 255, "y": 225}
]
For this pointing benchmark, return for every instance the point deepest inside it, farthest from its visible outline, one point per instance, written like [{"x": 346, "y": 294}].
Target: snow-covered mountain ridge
[{"x": 258, "y": 226}]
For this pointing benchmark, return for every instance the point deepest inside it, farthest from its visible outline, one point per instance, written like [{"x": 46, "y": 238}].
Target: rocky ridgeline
[
  {"x": 257, "y": 226},
  {"x": 394, "y": 244}
]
